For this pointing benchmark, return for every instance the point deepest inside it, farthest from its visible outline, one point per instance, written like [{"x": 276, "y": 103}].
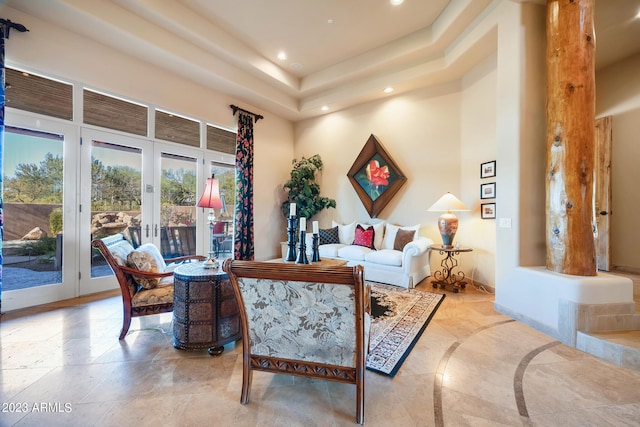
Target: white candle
[
  {"x": 303, "y": 224},
  {"x": 315, "y": 227},
  {"x": 292, "y": 209}
]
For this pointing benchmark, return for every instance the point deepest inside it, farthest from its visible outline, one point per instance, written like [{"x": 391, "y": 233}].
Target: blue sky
[
  {"x": 23, "y": 148},
  {"x": 27, "y": 149}
]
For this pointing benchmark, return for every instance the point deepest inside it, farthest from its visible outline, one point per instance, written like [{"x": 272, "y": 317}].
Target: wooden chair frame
[
  {"x": 351, "y": 276},
  {"x": 124, "y": 276}
]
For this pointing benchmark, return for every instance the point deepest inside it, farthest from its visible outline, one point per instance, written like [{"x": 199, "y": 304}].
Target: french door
[
  {"x": 40, "y": 216},
  {"x": 70, "y": 184},
  {"x": 144, "y": 190}
]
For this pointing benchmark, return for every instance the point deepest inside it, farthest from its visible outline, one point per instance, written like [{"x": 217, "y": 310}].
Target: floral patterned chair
[
  {"x": 302, "y": 319},
  {"x": 145, "y": 279}
]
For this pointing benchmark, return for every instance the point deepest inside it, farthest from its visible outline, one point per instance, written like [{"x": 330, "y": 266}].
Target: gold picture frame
[{"x": 375, "y": 176}]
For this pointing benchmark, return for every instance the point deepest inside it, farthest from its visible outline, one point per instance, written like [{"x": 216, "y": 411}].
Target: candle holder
[
  {"x": 315, "y": 253},
  {"x": 291, "y": 240},
  {"x": 302, "y": 249}
]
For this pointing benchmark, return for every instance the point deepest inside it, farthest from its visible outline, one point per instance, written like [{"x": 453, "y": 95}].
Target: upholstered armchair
[
  {"x": 145, "y": 279},
  {"x": 305, "y": 320}
]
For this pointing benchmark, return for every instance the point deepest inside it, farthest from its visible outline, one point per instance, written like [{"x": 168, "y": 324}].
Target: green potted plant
[{"x": 303, "y": 190}]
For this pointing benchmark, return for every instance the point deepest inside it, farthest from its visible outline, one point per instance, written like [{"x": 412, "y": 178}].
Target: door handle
[
  {"x": 147, "y": 230},
  {"x": 155, "y": 231},
  {"x": 603, "y": 212}
]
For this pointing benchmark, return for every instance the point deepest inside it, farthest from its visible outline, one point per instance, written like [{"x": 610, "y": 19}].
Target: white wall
[
  {"x": 57, "y": 52},
  {"x": 478, "y": 145},
  {"x": 618, "y": 95},
  {"x": 419, "y": 130}
]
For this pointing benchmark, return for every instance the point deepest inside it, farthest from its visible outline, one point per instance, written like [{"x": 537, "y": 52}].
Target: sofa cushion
[
  {"x": 346, "y": 232},
  {"x": 329, "y": 236},
  {"x": 392, "y": 230},
  {"x": 353, "y": 252},
  {"x": 331, "y": 250},
  {"x": 147, "y": 258},
  {"x": 402, "y": 238},
  {"x": 364, "y": 237},
  {"x": 379, "y": 230},
  {"x": 385, "y": 257}
]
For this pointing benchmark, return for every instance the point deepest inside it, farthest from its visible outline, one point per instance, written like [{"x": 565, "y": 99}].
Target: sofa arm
[
  {"x": 416, "y": 252},
  {"x": 417, "y": 247}
]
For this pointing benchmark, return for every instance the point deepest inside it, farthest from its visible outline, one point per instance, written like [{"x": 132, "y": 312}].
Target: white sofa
[{"x": 382, "y": 263}]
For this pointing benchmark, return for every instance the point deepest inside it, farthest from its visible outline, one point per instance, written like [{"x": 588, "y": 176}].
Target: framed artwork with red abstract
[{"x": 375, "y": 176}]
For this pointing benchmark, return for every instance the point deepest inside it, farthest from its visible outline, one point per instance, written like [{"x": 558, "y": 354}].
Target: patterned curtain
[
  {"x": 243, "y": 214},
  {"x": 2, "y": 101}
]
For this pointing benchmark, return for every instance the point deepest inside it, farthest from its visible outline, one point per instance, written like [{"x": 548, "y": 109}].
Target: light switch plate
[{"x": 504, "y": 223}]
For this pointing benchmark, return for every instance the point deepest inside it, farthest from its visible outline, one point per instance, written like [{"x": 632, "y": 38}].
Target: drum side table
[{"x": 205, "y": 311}]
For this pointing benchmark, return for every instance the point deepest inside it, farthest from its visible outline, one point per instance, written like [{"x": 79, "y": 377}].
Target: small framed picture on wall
[
  {"x": 488, "y": 169},
  {"x": 488, "y": 191},
  {"x": 488, "y": 210}
]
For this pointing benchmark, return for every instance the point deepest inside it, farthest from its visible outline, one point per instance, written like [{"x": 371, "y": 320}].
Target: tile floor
[{"x": 62, "y": 365}]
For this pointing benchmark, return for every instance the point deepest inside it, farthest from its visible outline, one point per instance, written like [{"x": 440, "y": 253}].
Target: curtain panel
[{"x": 244, "y": 247}]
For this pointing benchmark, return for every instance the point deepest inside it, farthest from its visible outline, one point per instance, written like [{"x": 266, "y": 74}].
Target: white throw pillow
[
  {"x": 392, "y": 230},
  {"x": 347, "y": 232},
  {"x": 378, "y": 229}
]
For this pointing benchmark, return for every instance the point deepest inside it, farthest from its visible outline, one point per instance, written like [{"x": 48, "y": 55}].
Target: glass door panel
[
  {"x": 116, "y": 196},
  {"x": 115, "y": 168},
  {"x": 33, "y": 194},
  {"x": 38, "y": 211},
  {"x": 221, "y": 223},
  {"x": 177, "y": 205}
]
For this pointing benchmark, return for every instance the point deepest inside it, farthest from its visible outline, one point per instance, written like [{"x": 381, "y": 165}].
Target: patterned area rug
[{"x": 398, "y": 318}]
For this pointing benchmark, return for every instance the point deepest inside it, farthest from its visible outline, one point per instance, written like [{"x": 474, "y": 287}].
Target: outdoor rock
[{"x": 35, "y": 234}]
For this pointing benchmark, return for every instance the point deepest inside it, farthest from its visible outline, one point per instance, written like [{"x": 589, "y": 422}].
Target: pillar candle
[
  {"x": 292, "y": 209},
  {"x": 315, "y": 227},
  {"x": 303, "y": 224}
]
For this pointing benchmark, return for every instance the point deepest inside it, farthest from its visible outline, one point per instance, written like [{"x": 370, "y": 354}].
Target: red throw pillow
[{"x": 364, "y": 237}]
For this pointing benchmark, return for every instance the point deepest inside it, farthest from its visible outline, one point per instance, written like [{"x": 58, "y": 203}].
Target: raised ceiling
[{"x": 339, "y": 52}]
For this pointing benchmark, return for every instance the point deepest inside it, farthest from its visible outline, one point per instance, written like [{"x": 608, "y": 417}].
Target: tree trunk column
[{"x": 570, "y": 137}]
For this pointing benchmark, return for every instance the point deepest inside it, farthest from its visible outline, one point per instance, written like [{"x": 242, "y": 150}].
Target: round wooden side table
[
  {"x": 205, "y": 311},
  {"x": 446, "y": 276}
]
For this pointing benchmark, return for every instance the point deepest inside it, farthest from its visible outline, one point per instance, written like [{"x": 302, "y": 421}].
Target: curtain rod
[{"x": 235, "y": 109}]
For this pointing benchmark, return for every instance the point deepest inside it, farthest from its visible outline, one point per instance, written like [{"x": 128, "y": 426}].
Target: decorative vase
[{"x": 448, "y": 226}]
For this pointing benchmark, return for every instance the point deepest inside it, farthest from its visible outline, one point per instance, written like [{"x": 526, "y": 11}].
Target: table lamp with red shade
[{"x": 211, "y": 199}]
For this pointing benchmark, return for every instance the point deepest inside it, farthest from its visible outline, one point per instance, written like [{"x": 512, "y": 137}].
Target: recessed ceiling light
[
  {"x": 396, "y": 2},
  {"x": 282, "y": 56},
  {"x": 388, "y": 90},
  {"x": 324, "y": 108},
  {"x": 329, "y": 21}
]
